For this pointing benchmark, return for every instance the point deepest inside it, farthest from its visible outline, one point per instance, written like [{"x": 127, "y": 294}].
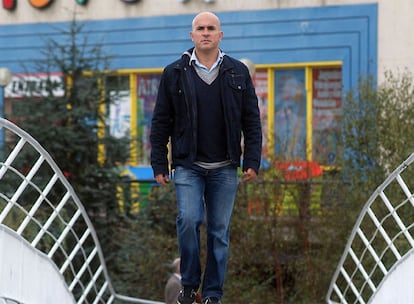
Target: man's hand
[
  {"x": 249, "y": 175},
  {"x": 162, "y": 179}
]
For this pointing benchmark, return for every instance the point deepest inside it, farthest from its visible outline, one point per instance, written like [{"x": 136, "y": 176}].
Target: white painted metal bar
[
  {"x": 100, "y": 293},
  {"x": 339, "y": 294},
  {"x": 352, "y": 286},
  {"x": 112, "y": 299},
  {"x": 362, "y": 270},
  {"x": 84, "y": 267},
  {"x": 37, "y": 204},
  {"x": 372, "y": 251},
  {"x": 394, "y": 214},
  {"x": 384, "y": 234},
  {"x": 21, "y": 188},
  {"x": 87, "y": 252},
  {"x": 396, "y": 219},
  {"x": 12, "y": 156},
  {"x": 90, "y": 284},
  {"x": 64, "y": 233},
  {"x": 51, "y": 219},
  {"x": 75, "y": 250},
  {"x": 404, "y": 187}
]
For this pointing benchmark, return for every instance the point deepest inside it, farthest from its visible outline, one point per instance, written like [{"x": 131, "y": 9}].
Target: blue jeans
[{"x": 213, "y": 191}]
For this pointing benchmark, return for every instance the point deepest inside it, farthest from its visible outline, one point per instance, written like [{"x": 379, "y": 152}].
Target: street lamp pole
[
  {"x": 5, "y": 79},
  {"x": 250, "y": 65}
]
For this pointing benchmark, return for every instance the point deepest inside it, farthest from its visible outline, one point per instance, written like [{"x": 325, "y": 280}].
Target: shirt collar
[{"x": 195, "y": 60}]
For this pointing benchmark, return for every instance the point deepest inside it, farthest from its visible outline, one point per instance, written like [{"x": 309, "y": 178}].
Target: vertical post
[
  {"x": 2, "y": 101},
  {"x": 5, "y": 79}
]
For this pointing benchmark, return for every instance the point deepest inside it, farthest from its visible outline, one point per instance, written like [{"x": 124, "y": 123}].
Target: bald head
[
  {"x": 206, "y": 35},
  {"x": 206, "y": 15}
]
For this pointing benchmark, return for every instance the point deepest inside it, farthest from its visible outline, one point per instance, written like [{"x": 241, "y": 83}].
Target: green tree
[
  {"x": 377, "y": 131},
  {"x": 69, "y": 119}
]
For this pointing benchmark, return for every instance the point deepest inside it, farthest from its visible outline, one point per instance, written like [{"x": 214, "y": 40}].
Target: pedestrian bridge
[
  {"x": 50, "y": 253},
  {"x": 378, "y": 261},
  {"x": 49, "y": 250}
]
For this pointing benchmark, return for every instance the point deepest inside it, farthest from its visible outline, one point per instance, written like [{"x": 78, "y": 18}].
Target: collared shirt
[
  {"x": 208, "y": 75},
  {"x": 215, "y": 65}
]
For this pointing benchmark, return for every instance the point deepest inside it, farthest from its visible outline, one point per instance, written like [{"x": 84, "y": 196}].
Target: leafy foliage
[
  {"x": 68, "y": 118},
  {"x": 288, "y": 255}
]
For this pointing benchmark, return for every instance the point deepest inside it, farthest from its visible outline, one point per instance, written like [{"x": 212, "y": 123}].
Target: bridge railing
[
  {"x": 382, "y": 236},
  {"x": 48, "y": 214}
]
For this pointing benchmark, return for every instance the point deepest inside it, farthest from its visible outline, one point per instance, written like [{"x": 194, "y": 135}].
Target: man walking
[{"x": 206, "y": 102}]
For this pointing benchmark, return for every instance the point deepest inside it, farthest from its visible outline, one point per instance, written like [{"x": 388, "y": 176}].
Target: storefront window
[
  {"x": 326, "y": 114},
  {"x": 120, "y": 108},
  {"x": 290, "y": 114},
  {"x": 147, "y": 89},
  {"x": 300, "y": 110},
  {"x": 261, "y": 86}
]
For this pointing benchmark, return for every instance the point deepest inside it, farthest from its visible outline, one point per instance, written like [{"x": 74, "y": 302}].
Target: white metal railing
[
  {"x": 380, "y": 239},
  {"x": 49, "y": 215},
  {"x": 8, "y": 301}
]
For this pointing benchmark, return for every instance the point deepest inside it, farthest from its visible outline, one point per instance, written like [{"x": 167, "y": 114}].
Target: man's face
[{"x": 206, "y": 32}]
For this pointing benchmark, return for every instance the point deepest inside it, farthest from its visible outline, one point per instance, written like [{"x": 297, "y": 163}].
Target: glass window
[
  {"x": 290, "y": 114},
  {"x": 261, "y": 85},
  {"x": 147, "y": 90},
  {"x": 120, "y": 107},
  {"x": 304, "y": 122},
  {"x": 326, "y": 114}
]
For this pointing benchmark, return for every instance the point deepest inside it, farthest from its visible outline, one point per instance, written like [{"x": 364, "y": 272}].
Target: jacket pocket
[
  {"x": 174, "y": 90},
  {"x": 237, "y": 82},
  {"x": 181, "y": 143}
]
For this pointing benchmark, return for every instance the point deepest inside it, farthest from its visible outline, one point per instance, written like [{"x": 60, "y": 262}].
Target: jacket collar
[{"x": 186, "y": 59}]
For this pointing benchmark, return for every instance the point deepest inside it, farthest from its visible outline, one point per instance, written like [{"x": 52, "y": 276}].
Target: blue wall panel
[{"x": 331, "y": 33}]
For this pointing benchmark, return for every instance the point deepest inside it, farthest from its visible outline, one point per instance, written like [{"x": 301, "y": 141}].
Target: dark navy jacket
[{"x": 175, "y": 116}]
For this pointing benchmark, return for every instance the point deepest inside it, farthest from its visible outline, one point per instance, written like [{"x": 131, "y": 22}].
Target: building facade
[{"x": 307, "y": 55}]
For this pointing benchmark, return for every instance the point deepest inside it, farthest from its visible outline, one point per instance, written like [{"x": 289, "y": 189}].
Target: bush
[{"x": 288, "y": 255}]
